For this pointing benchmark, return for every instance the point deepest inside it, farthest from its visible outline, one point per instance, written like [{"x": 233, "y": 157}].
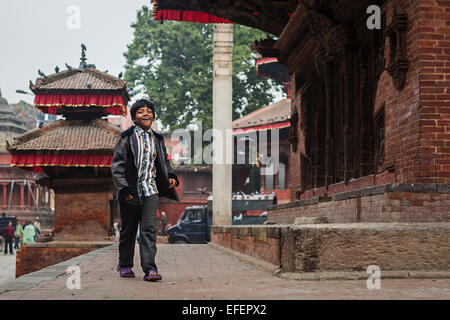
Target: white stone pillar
[{"x": 222, "y": 118}]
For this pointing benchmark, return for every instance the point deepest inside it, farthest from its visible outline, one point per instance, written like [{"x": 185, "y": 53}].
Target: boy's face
[{"x": 144, "y": 117}]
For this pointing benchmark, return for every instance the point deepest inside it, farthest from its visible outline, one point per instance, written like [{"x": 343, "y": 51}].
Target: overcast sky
[{"x": 40, "y": 34}]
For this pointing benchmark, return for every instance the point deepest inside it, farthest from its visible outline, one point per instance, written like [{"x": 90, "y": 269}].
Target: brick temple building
[
  {"x": 369, "y": 108},
  {"x": 75, "y": 153},
  {"x": 370, "y": 119}
]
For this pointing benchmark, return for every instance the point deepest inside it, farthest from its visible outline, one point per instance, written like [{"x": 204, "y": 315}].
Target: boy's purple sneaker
[
  {"x": 152, "y": 276},
  {"x": 125, "y": 272}
]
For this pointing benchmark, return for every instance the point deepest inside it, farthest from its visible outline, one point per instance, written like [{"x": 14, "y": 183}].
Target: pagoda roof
[
  {"x": 94, "y": 136},
  {"x": 274, "y": 113},
  {"x": 88, "y": 80}
]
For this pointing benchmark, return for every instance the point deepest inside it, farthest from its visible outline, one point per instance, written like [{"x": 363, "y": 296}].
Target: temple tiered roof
[
  {"x": 83, "y": 138},
  {"x": 82, "y": 87}
]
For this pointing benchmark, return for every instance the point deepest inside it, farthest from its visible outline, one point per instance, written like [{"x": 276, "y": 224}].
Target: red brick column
[{"x": 5, "y": 186}]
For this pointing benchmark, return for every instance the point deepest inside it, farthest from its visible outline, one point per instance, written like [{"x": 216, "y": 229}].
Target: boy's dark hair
[{"x": 139, "y": 104}]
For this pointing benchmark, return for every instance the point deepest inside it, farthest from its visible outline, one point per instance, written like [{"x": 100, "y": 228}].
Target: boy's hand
[
  {"x": 129, "y": 197},
  {"x": 172, "y": 183}
]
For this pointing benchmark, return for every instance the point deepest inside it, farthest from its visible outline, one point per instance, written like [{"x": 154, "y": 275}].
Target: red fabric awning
[
  {"x": 266, "y": 60},
  {"x": 190, "y": 16},
  {"x": 269, "y": 67},
  {"x": 49, "y": 103},
  {"x": 278, "y": 125},
  {"x": 61, "y": 160},
  {"x": 184, "y": 15}
]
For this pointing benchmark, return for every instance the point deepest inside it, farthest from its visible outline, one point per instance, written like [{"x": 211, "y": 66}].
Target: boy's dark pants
[{"x": 131, "y": 216}]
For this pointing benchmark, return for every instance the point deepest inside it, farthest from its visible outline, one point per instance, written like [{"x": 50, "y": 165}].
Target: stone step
[
  {"x": 356, "y": 246},
  {"x": 311, "y": 220},
  {"x": 345, "y": 247}
]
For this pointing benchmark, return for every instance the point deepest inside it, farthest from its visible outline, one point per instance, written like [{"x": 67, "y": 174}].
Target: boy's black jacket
[{"x": 124, "y": 166}]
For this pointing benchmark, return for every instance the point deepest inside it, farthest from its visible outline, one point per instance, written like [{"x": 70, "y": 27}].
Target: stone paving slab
[{"x": 201, "y": 272}]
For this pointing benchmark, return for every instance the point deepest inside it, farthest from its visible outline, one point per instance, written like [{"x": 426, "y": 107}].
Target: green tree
[{"x": 171, "y": 63}]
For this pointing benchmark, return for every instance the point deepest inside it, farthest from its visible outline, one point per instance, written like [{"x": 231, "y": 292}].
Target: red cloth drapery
[
  {"x": 191, "y": 16},
  {"x": 266, "y": 60},
  {"x": 49, "y": 103},
  {"x": 60, "y": 160},
  {"x": 278, "y": 125}
]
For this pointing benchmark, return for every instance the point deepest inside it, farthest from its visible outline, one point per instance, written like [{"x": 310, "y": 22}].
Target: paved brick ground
[
  {"x": 198, "y": 272},
  {"x": 7, "y": 267}
]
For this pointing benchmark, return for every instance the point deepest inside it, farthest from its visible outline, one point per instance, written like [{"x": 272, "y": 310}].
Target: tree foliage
[{"x": 171, "y": 63}]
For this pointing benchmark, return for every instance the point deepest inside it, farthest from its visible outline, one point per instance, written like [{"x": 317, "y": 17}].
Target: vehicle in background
[{"x": 195, "y": 224}]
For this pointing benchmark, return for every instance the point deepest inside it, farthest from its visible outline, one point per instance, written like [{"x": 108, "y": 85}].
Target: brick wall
[
  {"x": 81, "y": 216},
  {"x": 33, "y": 257},
  {"x": 255, "y": 241},
  {"x": 433, "y": 158},
  {"x": 418, "y": 117},
  {"x": 385, "y": 203},
  {"x": 342, "y": 247}
]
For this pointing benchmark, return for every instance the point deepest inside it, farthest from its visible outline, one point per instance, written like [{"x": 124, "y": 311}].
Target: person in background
[
  {"x": 37, "y": 229},
  {"x": 163, "y": 223},
  {"x": 28, "y": 233},
  {"x": 158, "y": 219},
  {"x": 8, "y": 235},
  {"x": 18, "y": 235}
]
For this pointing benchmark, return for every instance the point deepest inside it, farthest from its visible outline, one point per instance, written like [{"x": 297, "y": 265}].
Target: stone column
[
  {"x": 222, "y": 118},
  {"x": 329, "y": 143},
  {"x": 5, "y": 186},
  {"x": 21, "y": 184}
]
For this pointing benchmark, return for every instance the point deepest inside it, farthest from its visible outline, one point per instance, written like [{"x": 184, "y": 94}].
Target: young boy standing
[{"x": 141, "y": 173}]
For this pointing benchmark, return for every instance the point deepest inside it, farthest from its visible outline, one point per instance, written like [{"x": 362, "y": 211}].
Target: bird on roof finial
[
  {"x": 56, "y": 69},
  {"x": 41, "y": 73},
  {"x": 120, "y": 75}
]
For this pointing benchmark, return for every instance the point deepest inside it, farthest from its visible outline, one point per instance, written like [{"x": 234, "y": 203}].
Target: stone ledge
[
  {"x": 69, "y": 244},
  {"x": 401, "y": 274},
  {"x": 369, "y": 191},
  {"x": 258, "y": 230},
  {"x": 347, "y": 247}
]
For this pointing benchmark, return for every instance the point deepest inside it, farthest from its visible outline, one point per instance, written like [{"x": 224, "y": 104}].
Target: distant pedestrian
[
  {"x": 158, "y": 221},
  {"x": 8, "y": 235},
  {"x": 37, "y": 223},
  {"x": 163, "y": 223},
  {"x": 18, "y": 235},
  {"x": 37, "y": 228},
  {"x": 28, "y": 233}
]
